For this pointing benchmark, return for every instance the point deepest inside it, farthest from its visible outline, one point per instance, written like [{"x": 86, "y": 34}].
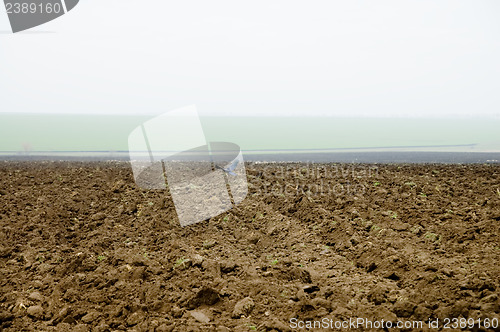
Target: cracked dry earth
[{"x": 83, "y": 249}]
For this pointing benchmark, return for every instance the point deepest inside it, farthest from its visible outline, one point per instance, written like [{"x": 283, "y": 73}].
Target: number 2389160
[{"x": 33, "y": 8}]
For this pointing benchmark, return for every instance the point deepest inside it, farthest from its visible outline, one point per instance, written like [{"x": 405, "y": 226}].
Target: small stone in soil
[
  {"x": 35, "y": 311},
  {"x": 36, "y": 296},
  {"x": 243, "y": 308},
  {"x": 200, "y": 316}
]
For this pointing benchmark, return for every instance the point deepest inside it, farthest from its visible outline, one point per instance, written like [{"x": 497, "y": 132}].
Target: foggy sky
[{"x": 363, "y": 58}]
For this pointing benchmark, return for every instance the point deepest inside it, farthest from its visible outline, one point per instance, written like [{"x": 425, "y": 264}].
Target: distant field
[{"x": 38, "y": 134}]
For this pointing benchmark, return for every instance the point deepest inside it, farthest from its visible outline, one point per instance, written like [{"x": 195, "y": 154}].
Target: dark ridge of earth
[
  {"x": 413, "y": 157},
  {"x": 83, "y": 249}
]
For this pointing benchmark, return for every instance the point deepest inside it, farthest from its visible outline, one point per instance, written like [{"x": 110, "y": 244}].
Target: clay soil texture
[{"x": 82, "y": 248}]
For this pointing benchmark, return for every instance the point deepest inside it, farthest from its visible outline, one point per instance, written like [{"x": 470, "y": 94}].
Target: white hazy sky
[{"x": 364, "y": 58}]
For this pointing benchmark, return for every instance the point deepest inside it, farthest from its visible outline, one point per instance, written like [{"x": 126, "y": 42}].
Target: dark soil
[{"x": 83, "y": 249}]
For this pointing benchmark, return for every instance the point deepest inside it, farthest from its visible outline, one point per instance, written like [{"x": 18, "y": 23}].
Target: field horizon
[{"x": 105, "y": 136}]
